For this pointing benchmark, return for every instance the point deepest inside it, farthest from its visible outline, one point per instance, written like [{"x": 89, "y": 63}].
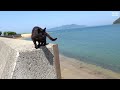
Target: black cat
[{"x": 39, "y": 34}]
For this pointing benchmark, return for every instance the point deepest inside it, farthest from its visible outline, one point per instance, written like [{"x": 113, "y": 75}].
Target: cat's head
[{"x": 42, "y": 31}]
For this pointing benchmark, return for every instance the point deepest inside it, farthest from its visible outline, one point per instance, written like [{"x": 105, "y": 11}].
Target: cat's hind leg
[{"x": 44, "y": 43}]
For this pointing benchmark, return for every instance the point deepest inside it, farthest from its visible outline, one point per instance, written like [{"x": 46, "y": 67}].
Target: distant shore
[
  {"x": 26, "y": 35},
  {"x": 23, "y": 36},
  {"x": 75, "y": 69}
]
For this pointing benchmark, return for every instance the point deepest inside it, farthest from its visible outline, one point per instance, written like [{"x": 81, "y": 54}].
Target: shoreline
[
  {"x": 23, "y": 36},
  {"x": 75, "y": 69},
  {"x": 26, "y": 35}
]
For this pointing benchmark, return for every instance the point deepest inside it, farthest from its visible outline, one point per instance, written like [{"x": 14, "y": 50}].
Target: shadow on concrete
[{"x": 48, "y": 54}]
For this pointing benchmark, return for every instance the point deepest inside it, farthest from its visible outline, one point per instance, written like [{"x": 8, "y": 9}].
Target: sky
[{"x": 24, "y": 21}]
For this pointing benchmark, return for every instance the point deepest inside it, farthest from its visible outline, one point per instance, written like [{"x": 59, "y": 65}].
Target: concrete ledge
[{"x": 20, "y": 60}]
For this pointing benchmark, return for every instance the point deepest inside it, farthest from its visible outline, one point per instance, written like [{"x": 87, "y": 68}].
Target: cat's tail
[{"x": 52, "y": 39}]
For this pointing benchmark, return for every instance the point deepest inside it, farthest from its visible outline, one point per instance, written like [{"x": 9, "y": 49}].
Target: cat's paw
[
  {"x": 36, "y": 47},
  {"x": 47, "y": 43}
]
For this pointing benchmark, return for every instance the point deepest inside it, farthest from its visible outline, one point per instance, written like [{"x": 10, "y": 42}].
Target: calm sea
[{"x": 98, "y": 45}]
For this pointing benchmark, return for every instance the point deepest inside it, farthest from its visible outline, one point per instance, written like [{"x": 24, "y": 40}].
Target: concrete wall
[{"x": 20, "y": 60}]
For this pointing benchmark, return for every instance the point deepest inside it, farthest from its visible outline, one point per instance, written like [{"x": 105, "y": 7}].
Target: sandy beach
[
  {"x": 26, "y": 35},
  {"x": 76, "y": 69},
  {"x": 23, "y": 36}
]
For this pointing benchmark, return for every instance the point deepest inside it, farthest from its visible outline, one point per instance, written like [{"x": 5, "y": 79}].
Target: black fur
[{"x": 39, "y": 34}]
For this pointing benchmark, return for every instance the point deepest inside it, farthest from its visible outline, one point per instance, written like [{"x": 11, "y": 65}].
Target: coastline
[
  {"x": 24, "y": 36},
  {"x": 76, "y": 69}
]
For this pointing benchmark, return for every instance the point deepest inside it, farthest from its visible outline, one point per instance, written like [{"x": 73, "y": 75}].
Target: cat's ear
[{"x": 44, "y": 29}]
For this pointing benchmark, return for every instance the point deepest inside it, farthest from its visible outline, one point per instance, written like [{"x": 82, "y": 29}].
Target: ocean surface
[{"x": 98, "y": 45}]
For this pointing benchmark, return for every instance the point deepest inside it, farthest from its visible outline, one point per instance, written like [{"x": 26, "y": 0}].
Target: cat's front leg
[
  {"x": 39, "y": 44},
  {"x": 35, "y": 44}
]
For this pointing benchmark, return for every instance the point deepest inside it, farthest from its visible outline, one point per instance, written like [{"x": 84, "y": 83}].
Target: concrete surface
[{"x": 20, "y": 60}]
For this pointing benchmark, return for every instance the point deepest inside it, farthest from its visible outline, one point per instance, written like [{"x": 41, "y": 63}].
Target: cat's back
[{"x": 36, "y": 32}]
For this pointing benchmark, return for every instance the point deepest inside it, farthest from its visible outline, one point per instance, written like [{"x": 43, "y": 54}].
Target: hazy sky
[{"x": 24, "y": 21}]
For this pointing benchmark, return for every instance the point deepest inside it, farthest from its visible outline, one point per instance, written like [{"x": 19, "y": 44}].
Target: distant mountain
[
  {"x": 117, "y": 21},
  {"x": 71, "y": 26}
]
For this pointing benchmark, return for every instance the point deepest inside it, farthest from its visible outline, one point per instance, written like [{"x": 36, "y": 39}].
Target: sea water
[{"x": 98, "y": 45}]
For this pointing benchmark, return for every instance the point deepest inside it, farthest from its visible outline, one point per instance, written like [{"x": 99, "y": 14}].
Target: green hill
[
  {"x": 71, "y": 26},
  {"x": 117, "y": 21}
]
